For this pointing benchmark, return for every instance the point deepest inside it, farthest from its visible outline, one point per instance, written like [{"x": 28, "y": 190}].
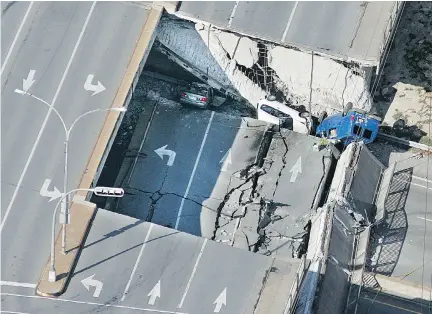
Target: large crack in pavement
[
  {"x": 247, "y": 177},
  {"x": 250, "y": 176}
]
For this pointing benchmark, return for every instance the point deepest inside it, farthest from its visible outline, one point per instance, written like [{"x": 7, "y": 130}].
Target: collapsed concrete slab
[
  {"x": 254, "y": 68},
  {"x": 340, "y": 231}
]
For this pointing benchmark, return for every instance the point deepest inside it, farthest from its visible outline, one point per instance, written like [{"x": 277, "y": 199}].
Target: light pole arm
[
  {"x": 51, "y": 107},
  {"x": 84, "y": 114}
]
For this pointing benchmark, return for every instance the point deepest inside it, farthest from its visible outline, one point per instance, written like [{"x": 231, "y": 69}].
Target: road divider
[{"x": 82, "y": 212}]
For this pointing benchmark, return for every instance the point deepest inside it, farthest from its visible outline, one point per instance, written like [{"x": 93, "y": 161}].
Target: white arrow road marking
[
  {"x": 295, "y": 170},
  {"x": 28, "y": 82},
  {"x": 226, "y": 160},
  {"x": 163, "y": 151},
  {"x": 154, "y": 293},
  {"x": 96, "y": 89},
  {"x": 54, "y": 194},
  {"x": 220, "y": 300},
  {"x": 89, "y": 281}
]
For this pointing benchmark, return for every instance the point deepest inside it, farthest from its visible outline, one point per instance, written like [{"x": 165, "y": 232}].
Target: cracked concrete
[
  {"x": 251, "y": 203},
  {"x": 274, "y": 220},
  {"x": 251, "y": 68}
]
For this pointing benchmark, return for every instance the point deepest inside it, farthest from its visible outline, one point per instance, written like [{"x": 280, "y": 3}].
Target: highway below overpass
[
  {"x": 73, "y": 55},
  {"x": 407, "y": 229},
  {"x": 381, "y": 303}
]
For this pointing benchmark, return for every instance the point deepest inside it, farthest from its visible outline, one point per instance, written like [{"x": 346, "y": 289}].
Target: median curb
[
  {"x": 82, "y": 212},
  {"x": 77, "y": 232}
]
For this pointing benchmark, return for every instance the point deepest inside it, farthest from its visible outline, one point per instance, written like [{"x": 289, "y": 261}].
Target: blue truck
[{"x": 351, "y": 125}]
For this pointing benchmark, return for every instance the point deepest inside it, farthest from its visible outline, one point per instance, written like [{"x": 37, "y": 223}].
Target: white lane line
[
  {"x": 92, "y": 303},
  {"x": 421, "y": 179},
  {"x": 46, "y": 117},
  {"x": 16, "y": 37},
  {"x": 424, "y": 218},
  {"x": 17, "y": 284},
  {"x": 289, "y": 22},
  {"x": 13, "y": 312},
  {"x": 192, "y": 274},
  {"x": 422, "y": 186},
  {"x": 136, "y": 263},
  {"x": 412, "y": 183},
  {"x": 232, "y": 14},
  {"x": 193, "y": 171}
]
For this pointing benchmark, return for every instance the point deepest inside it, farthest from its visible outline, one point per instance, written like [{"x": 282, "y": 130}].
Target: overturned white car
[{"x": 272, "y": 111}]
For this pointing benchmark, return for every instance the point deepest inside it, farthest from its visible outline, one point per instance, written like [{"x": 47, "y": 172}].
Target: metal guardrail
[
  {"x": 292, "y": 297},
  {"x": 402, "y": 141}
]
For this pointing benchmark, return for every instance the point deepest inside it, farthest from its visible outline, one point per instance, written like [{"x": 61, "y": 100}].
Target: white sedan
[{"x": 272, "y": 111}]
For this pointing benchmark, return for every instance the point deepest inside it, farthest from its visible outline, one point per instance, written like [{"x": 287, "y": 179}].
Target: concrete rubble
[
  {"x": 261, "y": 212},
  {"x": 256, "y": 68}
]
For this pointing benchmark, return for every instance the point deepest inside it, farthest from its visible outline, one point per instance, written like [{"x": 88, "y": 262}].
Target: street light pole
[
  {"x": 66, "y": 202},
  {"x": 52, "y": 272},
  {"x": 100, "y": 191},
  {"x": 66, "y": 199},
  {"x": 65, "y": 180}
]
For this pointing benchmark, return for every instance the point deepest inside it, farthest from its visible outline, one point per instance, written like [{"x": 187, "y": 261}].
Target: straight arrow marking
[
  {"x": 295, "y": 170},
  {"x": 220, "y": 300},
  {"x": 226, "y": 160},
  {"x": 54, "y": 194},
  {"x": 162, "y": 151},
  {"x": 89, "y": 281},
  {"x": 154, "y": 293},
  {"x": 28, "y": 82}
]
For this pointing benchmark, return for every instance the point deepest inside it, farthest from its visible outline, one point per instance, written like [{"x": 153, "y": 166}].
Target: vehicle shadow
[{"x": 387, "y": 238}]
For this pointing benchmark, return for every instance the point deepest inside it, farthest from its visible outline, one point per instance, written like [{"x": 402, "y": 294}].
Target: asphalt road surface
[
  {"x": 371, "y": 302},
  {"x": 172, "y": 194},
  {"x": 336, "y": 28},
  {"x": 130, "y": 258},
  {"x": 419, "y": 230},
  {"x": 408, "y": 231},
  {"x": 61, "y": 43}
]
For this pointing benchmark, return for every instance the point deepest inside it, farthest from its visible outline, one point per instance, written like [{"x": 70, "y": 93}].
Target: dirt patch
[{"x": 407, "y": 77}]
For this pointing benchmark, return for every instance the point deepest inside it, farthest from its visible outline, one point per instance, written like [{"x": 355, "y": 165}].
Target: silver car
[{"x": 199, "y": 95}]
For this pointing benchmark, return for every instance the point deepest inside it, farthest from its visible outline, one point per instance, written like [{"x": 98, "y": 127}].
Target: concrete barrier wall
[
  {"x": 126, "y": 89},
  {"x": 334, "y": 288},
  {"x": 364, "y": 185},
  {"x": 352, "y": 198},
  {"x": 383, "y": 191}
]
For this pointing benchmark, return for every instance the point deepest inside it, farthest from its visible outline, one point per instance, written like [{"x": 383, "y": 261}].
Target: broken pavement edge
[{"x": 77, "y": 232}]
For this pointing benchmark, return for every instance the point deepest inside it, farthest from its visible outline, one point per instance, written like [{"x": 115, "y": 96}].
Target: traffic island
[{"x": 82, "y": 214}]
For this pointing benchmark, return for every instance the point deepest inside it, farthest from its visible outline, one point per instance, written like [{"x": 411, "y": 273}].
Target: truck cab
[{"x": 349, "y": 126}]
